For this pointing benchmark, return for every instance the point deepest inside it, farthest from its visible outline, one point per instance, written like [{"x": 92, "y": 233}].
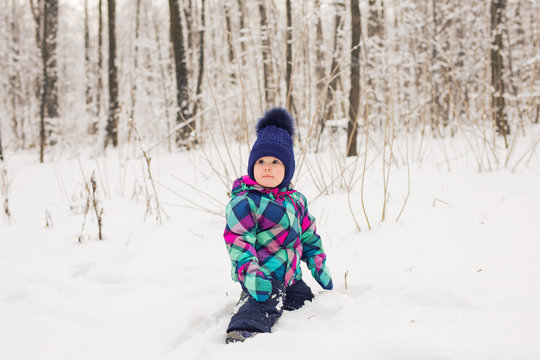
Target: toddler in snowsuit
[{"x": 269, "y": 231}]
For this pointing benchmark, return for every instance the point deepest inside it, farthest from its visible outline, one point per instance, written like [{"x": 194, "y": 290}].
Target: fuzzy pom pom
[{"x": 278, "y": 117}]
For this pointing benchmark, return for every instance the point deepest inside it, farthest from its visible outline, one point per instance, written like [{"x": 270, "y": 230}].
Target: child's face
[{"x": 269, "y": 171}]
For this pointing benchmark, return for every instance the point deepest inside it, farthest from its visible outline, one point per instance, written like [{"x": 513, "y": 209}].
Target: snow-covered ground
[{"x": 455, "y": 278}]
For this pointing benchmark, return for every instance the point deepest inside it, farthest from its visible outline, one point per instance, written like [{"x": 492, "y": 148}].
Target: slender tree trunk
[
  {"x": 354, "y": 95},
  {"x": 435, "y": 71},
  {"x": 228, "y": 25},
  {"x": 46, "y": 17},
  {"x": 289, "y": 60},
  {"x": 201, "y": 63},
  {"x": 374, "y": 64},
  {"x": 497, "y": 98},
  {"x": 335, "y": 68},
  {"x": 269, "y": 88},
  {"x": 111, "y": 135},
  {"x": 51, "y": 11},
  {"x": 99, "y": 86},
  {"x": 87, "y": 64},
  {"x": 135, "y": 70},
  {"x": 167, "y": 102},
  {"x": 177, "y": 40},
  {"x": 15, "y": 77},
  {"x": 242, "y": 9},
  {"x": 42, "y": 109},
  {"x": 319, "y": 71}
]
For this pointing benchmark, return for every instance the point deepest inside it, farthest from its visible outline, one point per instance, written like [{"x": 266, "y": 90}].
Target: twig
[
  {"x": 5, "y": 195},
  {"x": 98, "y": 210},
  {"x": 147, "y": 159},
  {"x": 408, "y": 173}
]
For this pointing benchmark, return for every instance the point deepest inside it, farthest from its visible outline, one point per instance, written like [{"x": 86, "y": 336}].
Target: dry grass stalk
[
  {"x": 98, "y": 210},
  {"x": 148, "y": 160},
  {"x": 48, "y": 219},
  {"x": 5, "y": 196},
  {"x": 93, "y": 202}
]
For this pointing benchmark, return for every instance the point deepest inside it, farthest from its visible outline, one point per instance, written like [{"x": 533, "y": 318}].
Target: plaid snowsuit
[{"x": 268, "y": 233}]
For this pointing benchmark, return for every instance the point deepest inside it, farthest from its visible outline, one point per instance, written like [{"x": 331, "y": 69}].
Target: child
[{"x": 268, "y": 232}]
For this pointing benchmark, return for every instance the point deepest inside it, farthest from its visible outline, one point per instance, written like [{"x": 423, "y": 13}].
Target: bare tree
[
  {"x": 439, "y": 71},
  {"x": 15, "y": 83},
  {"x": 198, "y": 89},
  {"x": 177, "y": 40},
  {"x": 241, "y": 8},
  {"x": 289, "y": 60},
  {"x": 319, "y": 70},
  {"x": 87, "y": 64},
  {"x": 49, "y": 58},
  {"x": 375, "y": 63},
  {"x": 269, "y": 86},
  {"x": 46, "y": 17},
  {"x": 330, "y": 104},
  {"x": 354, "y": 95},
  {"x": 228, "y": 25},
  {"x": 99, "y": 71},
  {"x": 111, "y": 135},
  {"x": 497, "y": 97},
  {"x": 135, "y": 65}
]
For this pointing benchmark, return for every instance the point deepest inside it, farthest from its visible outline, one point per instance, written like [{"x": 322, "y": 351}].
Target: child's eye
[
  {"x": 275, "y": 162},
  {"x": 260, "y": 162}
]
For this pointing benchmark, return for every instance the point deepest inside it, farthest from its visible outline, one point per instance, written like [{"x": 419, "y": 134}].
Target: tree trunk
[
  {"x": 43, "y": 108},
  {"x": 46, "y": 17},
  {"x": 135, "y": 69},
  {"x": 201, "y": 65},
  {"x": 111, "y": 135},
  {"x": 319, "y": 69},
  {"x": 228, "y": 25},
  {"x": 335, "y": 68},
  {"x": 177, "y": 40},
  {"x": 435, "y": 72},
  {"x": 99, "y": 89},
  {"x": 51, "y": 18},
  {"x": 289, "y": 101},
  {"x": 241, "y": 7},
  {"x": 167, "y": 102},
  {"x": 497, "y": 98},
  {"x": 354, "y": 95},
  {"x": 269, "y": 88},
  {"x": 15, "y": 76},
  {"x": 87, "y": 64}
]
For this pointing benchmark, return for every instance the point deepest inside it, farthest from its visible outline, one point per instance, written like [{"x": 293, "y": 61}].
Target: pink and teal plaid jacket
[{"x": 268, "y": 233}]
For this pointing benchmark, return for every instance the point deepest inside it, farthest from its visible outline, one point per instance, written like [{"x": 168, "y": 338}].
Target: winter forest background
[{"x": 376, "y": 70}]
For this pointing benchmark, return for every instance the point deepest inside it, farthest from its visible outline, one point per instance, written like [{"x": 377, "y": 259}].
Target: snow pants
[{"x": 259, "y": 317}]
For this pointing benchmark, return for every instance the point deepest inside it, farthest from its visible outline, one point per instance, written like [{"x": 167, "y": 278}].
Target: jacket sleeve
[
  {"x": 313, "y": 253},
  {"x": 240, "y": 237}
]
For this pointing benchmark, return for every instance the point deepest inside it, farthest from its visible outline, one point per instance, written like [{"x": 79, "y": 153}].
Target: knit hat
[{"x": 274, "y": 138}]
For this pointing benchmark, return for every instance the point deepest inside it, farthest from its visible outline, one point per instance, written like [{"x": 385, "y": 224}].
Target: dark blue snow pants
[{"x": 259, "y": 317}]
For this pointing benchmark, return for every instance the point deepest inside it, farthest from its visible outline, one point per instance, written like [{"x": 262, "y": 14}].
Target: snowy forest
[
  {"x": 78, "y": 73},
  {"x": 123, "y": 124}
]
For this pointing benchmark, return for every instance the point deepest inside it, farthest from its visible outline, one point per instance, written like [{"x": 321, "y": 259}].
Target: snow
[{"x": 454, "y": 278}]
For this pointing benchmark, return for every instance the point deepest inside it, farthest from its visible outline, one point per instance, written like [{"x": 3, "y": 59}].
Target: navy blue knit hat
[{"x": 274, "y": 138}]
